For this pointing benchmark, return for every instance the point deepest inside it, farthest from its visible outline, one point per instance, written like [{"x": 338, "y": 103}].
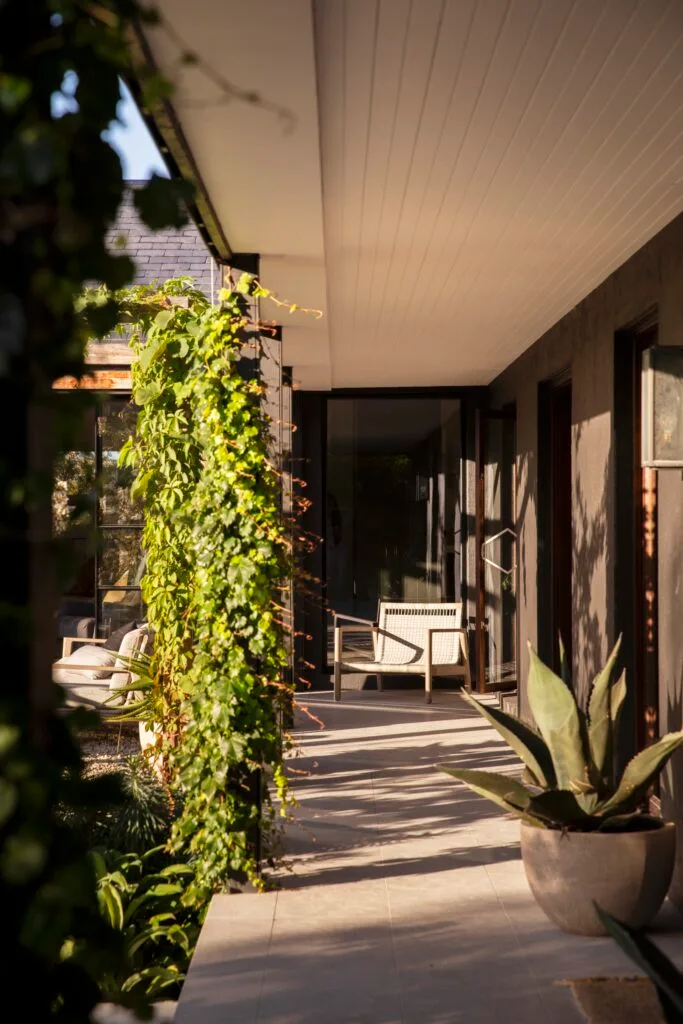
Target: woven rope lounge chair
[{"x": 407, "y": 639}]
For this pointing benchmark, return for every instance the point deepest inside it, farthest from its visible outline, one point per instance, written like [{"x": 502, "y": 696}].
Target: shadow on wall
[
  {"x": 526, "y": 470},
  {"x": 672, "y": 784},
  {"x": 589, "y": 547}
]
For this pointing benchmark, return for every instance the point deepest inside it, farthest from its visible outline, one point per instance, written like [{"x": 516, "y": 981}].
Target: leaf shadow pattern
[{"x": 373, "y": 805}]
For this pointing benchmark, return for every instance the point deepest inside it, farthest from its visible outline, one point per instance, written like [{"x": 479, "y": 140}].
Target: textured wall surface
[{"x": 584, "y": 342}]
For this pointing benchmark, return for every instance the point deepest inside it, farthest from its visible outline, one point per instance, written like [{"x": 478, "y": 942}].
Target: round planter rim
[{"x": 666, "y": 824}]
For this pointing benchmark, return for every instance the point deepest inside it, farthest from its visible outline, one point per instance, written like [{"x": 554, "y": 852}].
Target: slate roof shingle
[{"x": 161, "y": 254}]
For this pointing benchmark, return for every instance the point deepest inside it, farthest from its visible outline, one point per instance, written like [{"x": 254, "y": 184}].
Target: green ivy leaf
[{"x": 148, "y": 393}]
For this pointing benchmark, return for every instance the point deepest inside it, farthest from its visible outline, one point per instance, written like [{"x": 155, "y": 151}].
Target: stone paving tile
[{"x": 406, "y": 902}]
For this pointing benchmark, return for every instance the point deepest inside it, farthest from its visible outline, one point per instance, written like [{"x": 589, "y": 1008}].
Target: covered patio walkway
[{"x": 406, "y": 901}]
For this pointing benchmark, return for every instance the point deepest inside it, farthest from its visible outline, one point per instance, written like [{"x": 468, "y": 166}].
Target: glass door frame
[
  {"x": 469, "y": 397},
  {"x": 481, "y": 418}
]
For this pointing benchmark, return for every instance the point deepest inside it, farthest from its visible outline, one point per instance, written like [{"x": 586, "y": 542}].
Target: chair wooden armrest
[
  {"x": 339, "y": 632},
  {"x": 109, "y": 669},
  {"x": 355, "y": 625},
  {"x": 69, "y": 641},
  {"x": 464, "y": 647}
]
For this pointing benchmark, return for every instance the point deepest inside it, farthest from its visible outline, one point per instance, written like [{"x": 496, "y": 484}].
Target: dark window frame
[{"x": 100, "y": 397}]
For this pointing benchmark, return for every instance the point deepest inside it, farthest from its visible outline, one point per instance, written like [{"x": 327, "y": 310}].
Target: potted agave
[{"x": 585, "y": 836}]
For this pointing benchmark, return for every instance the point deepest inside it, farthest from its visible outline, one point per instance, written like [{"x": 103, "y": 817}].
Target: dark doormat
[{"x": 615, "y": 1000}]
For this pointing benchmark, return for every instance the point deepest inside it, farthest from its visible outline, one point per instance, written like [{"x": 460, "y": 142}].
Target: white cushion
[
  {"x": 132, "y": 644},
  {"x": 89, "y": 654}
]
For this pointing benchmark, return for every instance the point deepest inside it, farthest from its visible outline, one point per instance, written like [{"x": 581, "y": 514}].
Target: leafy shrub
[
  {"x": 143, "y": 819},
  {"x": 141, "y": 898},
  {"x": 140, "y": 819}
]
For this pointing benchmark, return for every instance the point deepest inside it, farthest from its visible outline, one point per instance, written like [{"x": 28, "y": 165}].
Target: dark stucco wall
[{"x": 583, "y": 342}]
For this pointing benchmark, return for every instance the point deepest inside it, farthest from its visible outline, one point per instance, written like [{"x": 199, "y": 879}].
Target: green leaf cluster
[
  {"x": 141, "y": 900},
  {"x": 218, "y": 556},
  {"x": 569, "y": 757}
]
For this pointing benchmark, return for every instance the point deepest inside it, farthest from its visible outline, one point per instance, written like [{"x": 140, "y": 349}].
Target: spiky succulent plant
[{"x": 570, "y": 780}]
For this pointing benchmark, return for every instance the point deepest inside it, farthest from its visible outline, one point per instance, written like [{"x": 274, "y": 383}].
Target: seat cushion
[
  {"x": 89, "y": 693},
  {"x": 413, "y": 668},
  {"x": 89, "y": 654}
]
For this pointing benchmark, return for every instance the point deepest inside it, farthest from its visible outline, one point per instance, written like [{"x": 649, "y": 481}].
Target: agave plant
[{"x": 570, "y": 781}]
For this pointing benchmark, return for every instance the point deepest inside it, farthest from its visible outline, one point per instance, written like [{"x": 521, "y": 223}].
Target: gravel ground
[{"x": 108, "y": 746}]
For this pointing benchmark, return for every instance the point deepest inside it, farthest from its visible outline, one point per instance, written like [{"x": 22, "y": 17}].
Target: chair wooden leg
[
  {"x": 428, "y": 668},
  {"x": 337, "y": 664},
  {"x": 466, "y": 657}
]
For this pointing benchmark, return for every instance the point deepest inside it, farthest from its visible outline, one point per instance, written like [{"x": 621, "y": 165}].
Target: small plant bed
[{"x": 141, "y": 888}]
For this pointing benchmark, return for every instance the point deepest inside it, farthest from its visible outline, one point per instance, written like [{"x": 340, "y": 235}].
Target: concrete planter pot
[
  {"x": 627, "y": 873},
  {"x": 148, "y": 737}
]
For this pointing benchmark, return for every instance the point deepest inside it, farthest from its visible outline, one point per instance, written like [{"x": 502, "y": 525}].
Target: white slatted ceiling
[
  {"x": 461, "y": 174},
  {"x": 484, "y": 166}
]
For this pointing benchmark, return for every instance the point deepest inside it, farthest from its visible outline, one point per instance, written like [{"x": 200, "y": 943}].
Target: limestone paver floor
[{"x": 406, "y": 901}]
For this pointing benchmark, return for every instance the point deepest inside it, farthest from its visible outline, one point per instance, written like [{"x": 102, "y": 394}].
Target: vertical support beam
[{"x": 308, "y": 456}]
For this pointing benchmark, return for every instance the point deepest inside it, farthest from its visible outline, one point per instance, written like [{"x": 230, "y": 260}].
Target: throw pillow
[{"x": 114, "y": 641}]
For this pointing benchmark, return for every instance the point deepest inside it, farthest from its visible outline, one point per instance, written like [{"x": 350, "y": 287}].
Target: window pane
[
  {"x": 118, "y": 608},
  {"x": 116, "y": 423},
  {"x": 121, "y": 560},
  {"x": 73, "y": 518},
  {"x": 73, "y": 495}
]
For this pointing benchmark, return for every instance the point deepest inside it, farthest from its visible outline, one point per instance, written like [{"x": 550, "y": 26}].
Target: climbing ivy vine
[{"x": 218, "y": 556}]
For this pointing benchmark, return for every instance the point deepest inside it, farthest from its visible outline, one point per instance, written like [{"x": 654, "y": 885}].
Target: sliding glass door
[{"x": 393, "y": 502}]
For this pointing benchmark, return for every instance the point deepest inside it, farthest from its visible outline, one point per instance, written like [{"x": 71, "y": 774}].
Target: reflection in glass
[
  {"x": 118, "y": 608},
  {"x": 117, "y": 423},
  {"x": 98, "y": 560},
  {"x": 668, "y": 405},
  {"x": 121, "y": 560},
  {"x": 73, "y": 520},
  {"x": 73, "y": 494},
  {"x": 393, "y": 502}
]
